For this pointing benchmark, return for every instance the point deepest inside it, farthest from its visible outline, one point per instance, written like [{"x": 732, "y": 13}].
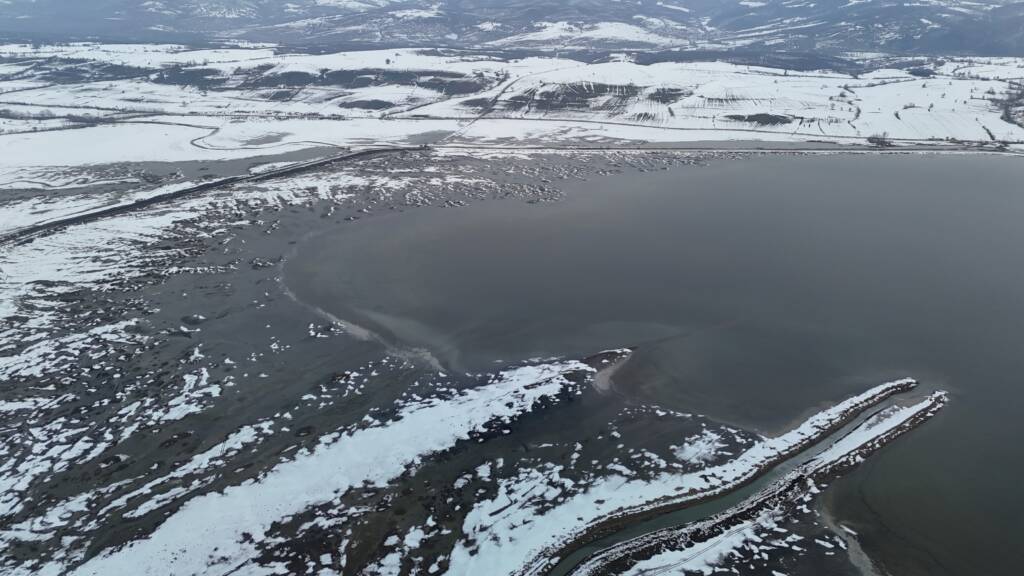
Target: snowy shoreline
[
  {"x": 602, "y": 509},
  {"x": 115, "y": 244},
  {"x": 701, "y": 544}
]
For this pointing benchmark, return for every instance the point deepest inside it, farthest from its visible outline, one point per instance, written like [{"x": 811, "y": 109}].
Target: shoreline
[
  {"x": 809, "y": 147},
  {"x": 787, "y": 491},
  {"x": 28, "y": 233},
  {"x": 541, "y": 562}
]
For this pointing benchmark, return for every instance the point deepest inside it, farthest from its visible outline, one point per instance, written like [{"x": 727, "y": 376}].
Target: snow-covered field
[
  {"x": 753, "y": 529},
  {"x": 170, "y": 103}
]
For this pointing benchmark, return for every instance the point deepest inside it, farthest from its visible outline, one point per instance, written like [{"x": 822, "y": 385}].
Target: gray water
[{"x": 757, "y": 290}]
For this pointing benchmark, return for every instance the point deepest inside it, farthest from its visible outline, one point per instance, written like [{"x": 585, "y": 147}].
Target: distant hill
[{"x": 989, "y": 27}]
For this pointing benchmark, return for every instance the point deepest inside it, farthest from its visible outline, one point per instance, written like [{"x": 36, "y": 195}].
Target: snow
[
  {"x": 138, "y": 55},
  {"x": 199, "y": 464},
  {"x": 674, "y": 7},
  {"x": 145, "y": 142},
  {"x": 709, "y": 554},
  {"x": 411, "y": 61},
  {"x": 356, "y": 5},
  {"x": 182, "y": 124},
  {"x": 87, "y": 255},
  {"x": 516, "y": 544},
  {"x": 187, "y": 123},
  {"x": 231, "y": 139},
  {"x": 875, "y": 427},
  {"x": 212, "y": 525},
  {"x": 18, "y": 405},
  {"x": 417, "y": 14},
  {"x": 572, "y": 35},
  {"x": 196, "y": 388},
  {"x": 45, "y": 354},
  {"x": 821, "y": 106},
  {"x": 105, "y": 144},
  {"x": 38, "y": 210},
  {"x": 707, "y": 558},
  {"x": 701, "y": 448}
]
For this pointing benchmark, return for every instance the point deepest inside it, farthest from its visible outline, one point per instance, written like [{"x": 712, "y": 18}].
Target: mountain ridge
[{"x": 985, "y": 27}]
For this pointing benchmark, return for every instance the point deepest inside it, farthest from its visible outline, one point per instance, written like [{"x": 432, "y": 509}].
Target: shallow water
[{"x": 756, "y": 291}]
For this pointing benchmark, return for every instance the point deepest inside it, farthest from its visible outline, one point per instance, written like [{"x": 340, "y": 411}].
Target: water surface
[{"x": 757, "y": 291}]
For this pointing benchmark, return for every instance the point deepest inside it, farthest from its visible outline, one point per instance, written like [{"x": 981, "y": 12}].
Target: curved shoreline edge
[
  {"x": 693, "y": 541},
  {"x": 717, "y": 481}
]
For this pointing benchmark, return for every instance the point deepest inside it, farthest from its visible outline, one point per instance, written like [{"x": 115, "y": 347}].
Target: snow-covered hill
[
  {"x": 168, "y": 102},
  {"x": 982, "y": 26}
]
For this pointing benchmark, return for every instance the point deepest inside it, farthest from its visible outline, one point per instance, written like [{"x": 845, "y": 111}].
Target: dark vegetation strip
[{"x": 31, "y": 232}]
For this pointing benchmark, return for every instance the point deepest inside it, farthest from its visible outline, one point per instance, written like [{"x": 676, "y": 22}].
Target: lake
[{"x": 756, "y": 290}]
